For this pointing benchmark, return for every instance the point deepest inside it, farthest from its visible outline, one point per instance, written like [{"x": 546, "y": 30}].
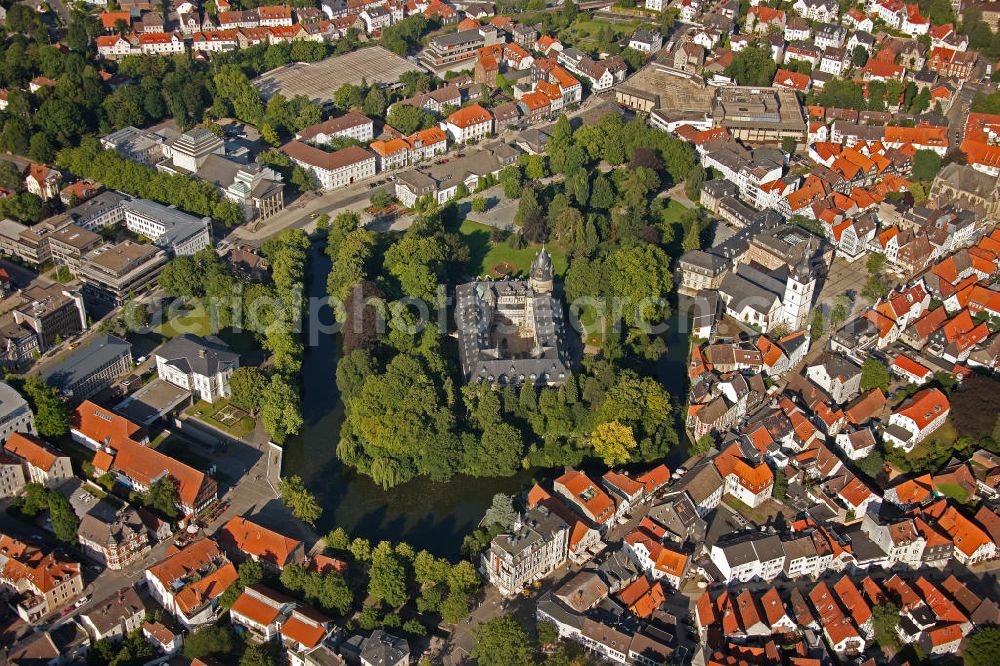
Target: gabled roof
[
  {"x": 914, "y": 491},
  {"x": 755, "y": 477},
  {"x": 251, "y": 606},
  {"x": 305, "y": 627},
  {"x": 626, "y": 484},
  {"x": 104, "y": 426},
  {"x": 588, "y": 494},
  {"x": 746, "y": 610},
  {"x": 966, "y": 535},
  {"x": 930, "y": 321},
  {"x": 903, "y": 594},
  {"x": 909, "y": 366},
  {"x": 654, "y": 478},
  {"x": 181, "y": 563},
  {"x": 253, "y": 539},
  {"x": 145, "y": 466},
  {"x": 203, "y": 591},
  {"x": 32, "y": 450},
  {"x": 25, "y": 565},
  {"x": 943, "y": 607},
  {"x": 852, "y": 600},
  {"x": 773, "y": 606},
  {"x": 865, "y": 407},
  {"x": 924, "y": 407}
]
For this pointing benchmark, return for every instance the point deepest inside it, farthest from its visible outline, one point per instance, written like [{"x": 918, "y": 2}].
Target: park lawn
[
  {"x": 485, "y": 255},
  {"x": 584, "y": 31},
  {"x": 674, "y": 211},
  {"x": 206, "y": 411},
  {"x": 593, "y": 328},
  {"x": 196, "y": 321}
]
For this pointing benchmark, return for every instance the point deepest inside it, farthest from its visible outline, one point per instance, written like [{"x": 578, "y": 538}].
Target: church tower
[
  {"x": 799, "y": 288},
  {"x": 541, "y": 272}
]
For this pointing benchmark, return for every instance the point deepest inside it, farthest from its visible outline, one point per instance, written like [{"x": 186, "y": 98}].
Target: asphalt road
[
  {"x": 22, "y": 276},
  {"x": 61, "y": 11}
]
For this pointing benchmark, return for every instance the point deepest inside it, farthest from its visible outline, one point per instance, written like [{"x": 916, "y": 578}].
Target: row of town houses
[
  {"x": 841, "y": 610},
  {"x": 133, "y": 31}
]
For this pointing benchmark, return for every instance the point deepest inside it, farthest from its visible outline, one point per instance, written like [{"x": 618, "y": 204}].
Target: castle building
[{"x": 512, "y": 331}]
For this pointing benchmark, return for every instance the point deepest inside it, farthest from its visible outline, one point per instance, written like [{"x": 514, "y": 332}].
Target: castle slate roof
[{"x": 201, "y": 356}]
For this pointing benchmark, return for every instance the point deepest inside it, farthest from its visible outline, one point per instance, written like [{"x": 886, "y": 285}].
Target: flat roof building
[
  {"x": 51, "y": 312},
  {"x": 112, "y": 273},
  {"x": 759, "y": 115},
  {"x": 90, "y": 368},
  {"x": 319, "y": 80}
]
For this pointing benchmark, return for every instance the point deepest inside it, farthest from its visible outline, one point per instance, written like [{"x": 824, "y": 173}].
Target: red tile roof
[
  {"x": 915, "y": 491},
  {"x": 654, "y": 478},
  {"x": 467, "y": 116},
  {"x": 623, "y": 482},
  {"x": 754, "y": 478},
  {"x": 925, "y": 406},
  {"x": 196, "y": 595},
  {"x": 586, "y": 492},
  {"x": 110, "y": 19},
  {"x": 305, "y": 626},
  {"x": 253, "y": 539},
  {"x": 866, "y": 407},
  {"x": 966, "y": 535},
  {"x": 908, "y": 365},
  {"x": 24, "y": 564},
  {"x": 255, "y": 610},
  {"x": 32, "y": 450},
  {"x": 104, "y": 426},
  {"x": 145, "y": 466}
]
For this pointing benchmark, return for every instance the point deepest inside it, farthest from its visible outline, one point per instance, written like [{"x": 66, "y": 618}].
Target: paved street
[
  {"x": 303, "y": 213},
  {"x": 22, "y": 276}
]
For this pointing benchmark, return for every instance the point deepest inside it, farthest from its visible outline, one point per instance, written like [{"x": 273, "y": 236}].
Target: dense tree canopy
[
  {"x": 299, "y": 500},
  {"x": 51, "y": 412},
  {"x": 982, "y": 647},
  {"x": 752, "y": 66},
  {"x": 502, "y": 641}
]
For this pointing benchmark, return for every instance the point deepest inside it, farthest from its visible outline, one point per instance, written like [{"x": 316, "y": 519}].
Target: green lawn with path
[
  {"x": 485, "y": 255},
  {"x": 207, "y": 411}
]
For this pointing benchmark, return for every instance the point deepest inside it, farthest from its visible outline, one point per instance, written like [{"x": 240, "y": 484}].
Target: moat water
[{"x": 428, "y": 515}]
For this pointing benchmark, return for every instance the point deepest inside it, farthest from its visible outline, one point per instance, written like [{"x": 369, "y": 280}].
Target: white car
[{"x": 82, "y": 600}]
